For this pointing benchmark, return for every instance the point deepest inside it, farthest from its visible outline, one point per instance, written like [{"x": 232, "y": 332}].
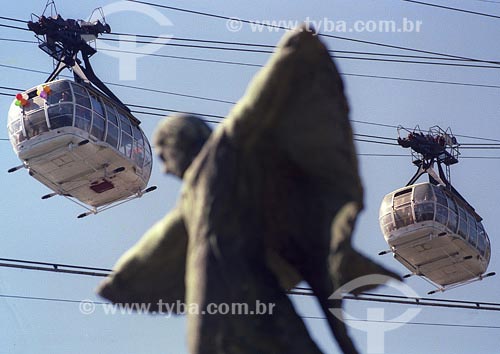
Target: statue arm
[{"x": 152, "y": 270}]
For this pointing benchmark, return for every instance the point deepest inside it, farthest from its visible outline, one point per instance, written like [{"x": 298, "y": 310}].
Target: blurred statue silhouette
[{"x": 269, "y": 199}]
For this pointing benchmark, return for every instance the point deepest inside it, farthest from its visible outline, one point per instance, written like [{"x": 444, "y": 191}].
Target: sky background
[{"x": 48, "y": 231}]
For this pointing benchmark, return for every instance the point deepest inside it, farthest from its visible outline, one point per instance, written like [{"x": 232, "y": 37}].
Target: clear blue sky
[{"x": 48, "y": 231}]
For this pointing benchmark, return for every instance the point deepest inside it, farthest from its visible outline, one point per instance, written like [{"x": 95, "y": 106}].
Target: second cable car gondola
[
  {"x": 430, "y": 227},
  {"x": 79, "y": 140}
]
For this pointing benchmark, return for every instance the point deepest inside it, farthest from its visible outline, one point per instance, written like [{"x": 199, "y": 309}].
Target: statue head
[{"x": 178, "y": 139}]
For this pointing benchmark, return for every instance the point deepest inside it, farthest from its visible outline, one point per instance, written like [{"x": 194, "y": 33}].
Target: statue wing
[{"x": 296, "y": 104}]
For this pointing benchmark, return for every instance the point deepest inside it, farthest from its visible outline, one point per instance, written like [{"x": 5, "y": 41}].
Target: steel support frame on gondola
[
  {"x": 66, "y": 57},
  {"x": 425, "y": 159}
]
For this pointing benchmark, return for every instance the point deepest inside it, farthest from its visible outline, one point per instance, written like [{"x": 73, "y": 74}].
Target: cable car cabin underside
[
  {"x": 80, "y": 144},
  {"x": 72, "y": 165},
  {"x": 429, "y": 250},
  {"x": 435, "y": 235}
]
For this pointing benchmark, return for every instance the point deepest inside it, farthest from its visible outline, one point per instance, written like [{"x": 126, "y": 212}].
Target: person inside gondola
[
  {"x": 62, "y": 114},
  {"x": 138, "y": 154},
  {"x": 35, "y": 123},
  {"x": 65, "y": 110}
]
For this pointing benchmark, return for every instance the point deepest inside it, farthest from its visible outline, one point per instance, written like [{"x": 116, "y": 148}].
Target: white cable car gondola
[
  {"x": 429, "y": 227},
  {"x": 81, "y": 142}
]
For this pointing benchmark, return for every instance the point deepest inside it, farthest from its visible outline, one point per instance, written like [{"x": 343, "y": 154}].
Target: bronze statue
[{"x": 269, "y": 198}]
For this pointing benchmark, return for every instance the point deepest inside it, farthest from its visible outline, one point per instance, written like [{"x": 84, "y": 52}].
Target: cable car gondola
[
  {"x": 76, "y": 138},
  {"x": 430, "y": 228}
]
